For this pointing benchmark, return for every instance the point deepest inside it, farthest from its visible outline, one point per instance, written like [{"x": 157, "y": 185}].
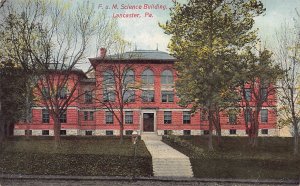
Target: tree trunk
[
  {"x": 296, "y": 138},
  {"x": 255, "y": 128},
  {"x": 56, "y": 127},
  {"x": 121, "y": 134},
  {"x": 210, "y": 140}
]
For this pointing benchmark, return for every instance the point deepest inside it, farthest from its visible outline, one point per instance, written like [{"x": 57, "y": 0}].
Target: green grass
[
  {"x": 272, "y": 159},
  {"x": 103, "y": 156}
]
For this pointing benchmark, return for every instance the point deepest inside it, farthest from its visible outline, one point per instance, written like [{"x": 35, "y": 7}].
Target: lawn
[
  {"x": 89, "y": 156},
  {"x": 272, "y": 159}
]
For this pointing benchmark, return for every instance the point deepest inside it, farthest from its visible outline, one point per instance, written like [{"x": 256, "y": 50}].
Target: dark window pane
[
  {"x": 264, "y": 131},
  {"x": 147, "y": 77},
  {"x": 88, "y": 97},
  {"x": 263, "y": 94},
  {"x": 167, "y": 117},
  {"x": 232, "y": 131},
  {"x": 166, "y": 77},
  {"x": 109, "y": 132},
  {"x": 108, "y": 78},
  {"x": 167, "y": 96},
  {"x": 88, "y": 133},
  {"x": 109, "y": 119},
  {"x": 129, "y": 77},
  {"x": 248, "y": 94},
  {"x": 108, "y": 96},
  {"x": 148, "y": 96},
  {"x": 186, "y": 117},
  {"x": 63, "y": 132},
  {"x": 129, "y": 96},
  {"x": 187, "y": 132},
  {"x": 264, "y": 115},
  {"x": 128, "y": 117},
  {"x": 128, "y": 132},
  {"x": 45, "y": 116},
  {"x": 45, "y": 132},
  {"x": 63, "y": 118}
]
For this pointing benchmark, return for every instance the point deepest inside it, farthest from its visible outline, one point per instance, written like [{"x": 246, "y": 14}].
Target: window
[
  {"x": 264, "y": 131},
  {"x": 167, "y": 96},
  {"x": 45, "y": 132},
  {"x": 109, "y": 96},
  {"x": 109, "y": 118},
  {"x": 63, "y": 118},
  {"x": 148, "y": 96},
  {"x": 264, "y": 115},
  {"x": 167, "y": 117},
  {"x": 45, "y": 116},
  {"x": 232, "y": 117},
  {"x": 232, "y": 131},
  {"x": 88, "y": 115},
  {"x": 88, "y": 133},
  {"x": 248, "y": 115},
  {"x": 186, "y": 132},
  {"x": 166, "y": 77},
  {"x": 167, "y": 132},
  {"x": 206, "y": 132},
  {"x": 109, "y": 132},
  {"x": 62, "y": 94},
  {"x": 186, "y": 117},
  {"x": 248, "y": 94},
  {"x": 63, "y": 132},
  {"x": 129, "y": 96},
  {"x": 129, "y": 77},
  {"x": 28, "y": 132},
  {"x": 204, "y": 115},
  {"x": 263, "y": 93},
  {"x": 88, "y": 97},
  {"x": 128, "y": 132},
  {"x": 45, "y": 92},
  {"x": 128, "y": 117},
  {"x": 148, "y": 77},
  {"x": 108, "y": 77}
]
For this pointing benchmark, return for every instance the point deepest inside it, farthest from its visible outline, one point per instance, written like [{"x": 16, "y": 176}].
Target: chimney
[{"x": 102, "y": 52}]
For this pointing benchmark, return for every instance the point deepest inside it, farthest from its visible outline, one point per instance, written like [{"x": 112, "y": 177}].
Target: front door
[{"x": 148, "y": 122}]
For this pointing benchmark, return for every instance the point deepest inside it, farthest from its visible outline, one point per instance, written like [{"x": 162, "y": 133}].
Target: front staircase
[{"x": 166, "y": 161}]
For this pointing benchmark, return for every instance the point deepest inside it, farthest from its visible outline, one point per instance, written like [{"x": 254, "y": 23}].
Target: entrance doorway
[{"x": 148, "y": 122}]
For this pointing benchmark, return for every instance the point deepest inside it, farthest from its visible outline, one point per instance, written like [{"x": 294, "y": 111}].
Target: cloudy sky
[{"x": 145, "y": 33}]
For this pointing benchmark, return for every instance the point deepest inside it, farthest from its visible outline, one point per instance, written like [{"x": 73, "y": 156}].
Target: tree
[
  {"x": 287, "y": 55},
  {"x": 116, "y": 82},
  {"x": 257, "y": 88},
  {"x": 50, "y": 39},
  {"x": 207, "y": 37},
  {"x": 12, "y": 100}
]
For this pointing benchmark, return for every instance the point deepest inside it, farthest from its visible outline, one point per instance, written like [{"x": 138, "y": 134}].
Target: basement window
[
  {"x": 45, "y": 132},
  {"x": 232, "y": 131},
  {"x": 264, "y": 131},
  {"x": 88, "y": 133},
  {"x": 63, "y": 132},
  {"x": 187, "y": 132},
  {"x": 109, "y": 133}
]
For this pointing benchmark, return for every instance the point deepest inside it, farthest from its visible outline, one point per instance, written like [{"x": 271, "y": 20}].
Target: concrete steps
[{"x": 166, "y": 161}]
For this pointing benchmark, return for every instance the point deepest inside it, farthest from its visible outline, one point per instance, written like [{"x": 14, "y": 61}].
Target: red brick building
[{"x": 152, "y": 107}]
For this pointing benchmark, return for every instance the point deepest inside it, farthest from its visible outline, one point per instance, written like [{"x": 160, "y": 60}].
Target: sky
[{"x": 144, "y": 32}]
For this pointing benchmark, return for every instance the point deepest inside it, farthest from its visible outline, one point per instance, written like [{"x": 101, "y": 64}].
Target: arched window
[
  {"x": 166, "y": 77},
  {"x": 129, "y": 77},
  {"x": 147, "y": 77},
  {"x": 108, "y": 77}
]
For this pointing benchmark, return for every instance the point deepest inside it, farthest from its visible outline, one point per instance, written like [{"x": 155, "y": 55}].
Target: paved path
[{"x": 166, "y": 161}]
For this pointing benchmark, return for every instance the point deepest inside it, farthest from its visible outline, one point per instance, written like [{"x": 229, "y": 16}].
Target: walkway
[{"x": 166, "y": 161}]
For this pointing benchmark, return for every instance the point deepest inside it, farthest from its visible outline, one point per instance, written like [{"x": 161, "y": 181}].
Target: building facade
[{"x": 151, "y": 103}]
